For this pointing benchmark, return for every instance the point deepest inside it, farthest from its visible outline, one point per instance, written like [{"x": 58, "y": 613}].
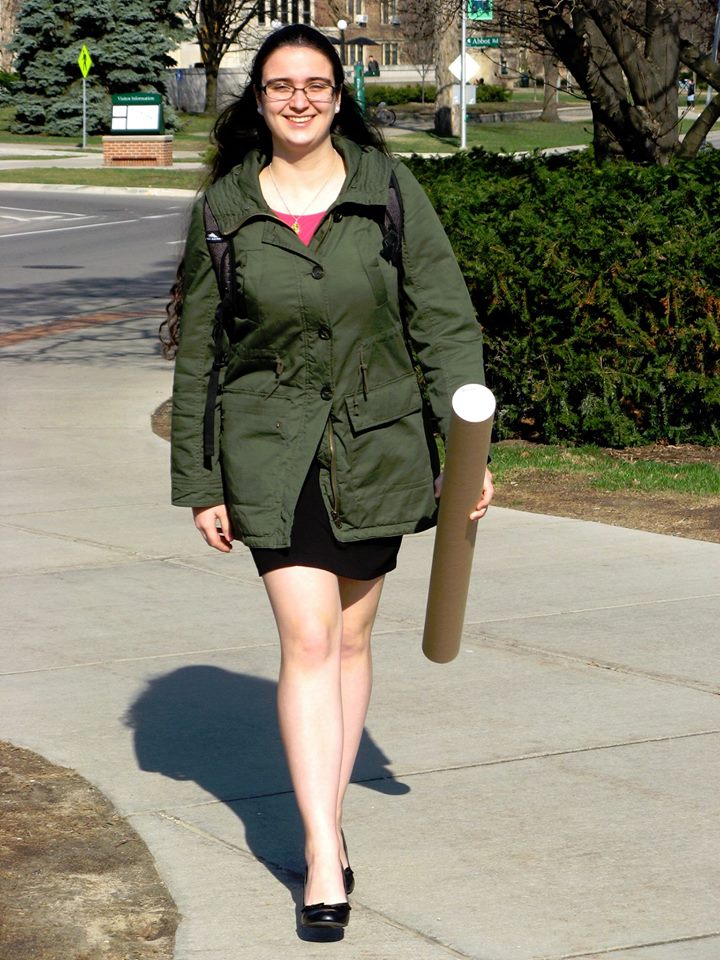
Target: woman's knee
[
  {"x": 311, "y": 644},
  {"x": 355, "y": 643}
]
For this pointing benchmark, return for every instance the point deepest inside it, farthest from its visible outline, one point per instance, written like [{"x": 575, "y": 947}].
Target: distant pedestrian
[
  {"x": 373, "y": 67},
  {"x": 690, "y": 94}
]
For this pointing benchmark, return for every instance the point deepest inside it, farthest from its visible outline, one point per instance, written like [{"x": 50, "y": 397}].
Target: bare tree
[
  {"x": 218, "y": 25},
  {"x": 420, "y": 36},
  {"x": 626, "y": 56}
]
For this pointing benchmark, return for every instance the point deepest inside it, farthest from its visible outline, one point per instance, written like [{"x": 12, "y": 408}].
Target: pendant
[{"x": 296, "y": 227}]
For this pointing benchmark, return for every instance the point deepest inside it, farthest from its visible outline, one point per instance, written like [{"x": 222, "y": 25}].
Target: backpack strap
[
  {"x": 223, "y": 260},
  {"x": 393, "y": 224}
]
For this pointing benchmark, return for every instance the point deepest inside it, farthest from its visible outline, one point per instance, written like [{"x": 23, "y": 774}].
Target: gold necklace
[{"x": 296, "y": 218}]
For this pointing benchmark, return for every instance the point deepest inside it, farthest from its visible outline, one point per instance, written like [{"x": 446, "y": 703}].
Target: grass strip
[
  {"x": 603, "y": 470},
  {"x": 34, "y": 156},
  {"x": 145, "y": 178},
  {"x": 498, "y": 137}
]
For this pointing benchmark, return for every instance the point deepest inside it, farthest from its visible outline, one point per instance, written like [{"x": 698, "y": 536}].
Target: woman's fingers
[
  {"x": 487, "y": 494},
  {"x": 214, "y": 526}
]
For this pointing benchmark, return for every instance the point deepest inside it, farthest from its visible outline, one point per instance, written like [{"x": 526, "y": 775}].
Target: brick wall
[{"x": 137, "y": 151}]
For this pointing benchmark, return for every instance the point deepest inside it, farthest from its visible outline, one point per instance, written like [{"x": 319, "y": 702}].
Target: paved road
[{"x": 64, "y": 254}]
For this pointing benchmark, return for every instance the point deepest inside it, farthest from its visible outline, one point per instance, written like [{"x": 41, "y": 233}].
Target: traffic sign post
[{"x": 84, "y": 62}]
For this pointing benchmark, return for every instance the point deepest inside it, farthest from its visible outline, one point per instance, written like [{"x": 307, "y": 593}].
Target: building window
[
  {"x": 286, "y": 11},
  {"x": 390, "y": 54},
  {"x": 353, "y": 53},
  {"x": 388, "y": 11},
  {"x": 356, "y": 8}
]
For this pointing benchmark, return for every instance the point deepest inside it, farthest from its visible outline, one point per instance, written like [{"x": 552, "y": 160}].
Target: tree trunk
[
  {"x": 8, "y": 11},
  {"x": 550, "y": 91},
  {"x": 211, "y": 89},
  {"x": 627, "y": 68},
  {"x": 447, "y": 114}
]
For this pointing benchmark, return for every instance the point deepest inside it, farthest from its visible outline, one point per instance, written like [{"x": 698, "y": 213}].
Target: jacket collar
[{"x": 237, "y": 197}]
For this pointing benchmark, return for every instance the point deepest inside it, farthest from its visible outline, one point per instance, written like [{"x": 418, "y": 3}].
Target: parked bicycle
[{"x": 384, "y": 115}]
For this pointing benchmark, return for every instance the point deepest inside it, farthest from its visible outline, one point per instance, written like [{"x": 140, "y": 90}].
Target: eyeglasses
[{"x": 319, "y": 91}]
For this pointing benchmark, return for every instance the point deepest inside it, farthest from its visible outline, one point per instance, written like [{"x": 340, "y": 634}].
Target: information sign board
[{"x": 137, "y": 113}]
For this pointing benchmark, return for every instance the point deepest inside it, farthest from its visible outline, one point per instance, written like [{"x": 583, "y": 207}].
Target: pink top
[{"x": 307, "y": 223}]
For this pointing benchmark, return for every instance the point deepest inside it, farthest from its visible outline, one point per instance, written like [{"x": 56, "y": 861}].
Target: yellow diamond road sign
[{"x": 84, "y": 61}]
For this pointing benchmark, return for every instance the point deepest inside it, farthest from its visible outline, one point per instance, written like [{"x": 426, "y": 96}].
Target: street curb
[{"x": 83, "y": 188}]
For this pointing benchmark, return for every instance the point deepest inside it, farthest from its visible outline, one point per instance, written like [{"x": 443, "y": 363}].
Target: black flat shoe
[
  {"x": 348, "y": 875},
  {"x": 333, "y": 915}
]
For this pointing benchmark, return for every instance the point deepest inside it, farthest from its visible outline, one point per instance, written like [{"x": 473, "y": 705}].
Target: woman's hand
[
  {"x": 483, "y": 503},
  {"x": 214, "y": 526}
]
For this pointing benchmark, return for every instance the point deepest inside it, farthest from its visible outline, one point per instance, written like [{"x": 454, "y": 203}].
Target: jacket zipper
[{"x": 335, "y": 508}]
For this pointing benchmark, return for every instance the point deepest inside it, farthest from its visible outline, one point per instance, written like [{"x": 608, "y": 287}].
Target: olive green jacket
[{"x": 317, "y": 359}]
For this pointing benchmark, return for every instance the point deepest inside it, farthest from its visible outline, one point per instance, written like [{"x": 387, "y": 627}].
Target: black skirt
[{"x": 313, "y": 544}]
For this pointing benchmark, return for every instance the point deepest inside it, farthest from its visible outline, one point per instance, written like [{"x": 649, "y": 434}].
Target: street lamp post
[{"x": 342, "y": 27}]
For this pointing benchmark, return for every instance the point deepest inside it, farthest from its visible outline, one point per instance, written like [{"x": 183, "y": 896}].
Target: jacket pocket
[
  {"x": 257, "y": 434},
  {"x": 384, "y": 461},
  {"x": 383, "y": 404}
]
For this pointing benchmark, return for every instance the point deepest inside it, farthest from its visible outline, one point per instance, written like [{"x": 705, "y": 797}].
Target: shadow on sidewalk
[{"x": 219, "y": 729}]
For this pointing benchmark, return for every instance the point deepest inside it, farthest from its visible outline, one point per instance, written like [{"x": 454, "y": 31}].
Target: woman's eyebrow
[{"x": 289, "y": 80}]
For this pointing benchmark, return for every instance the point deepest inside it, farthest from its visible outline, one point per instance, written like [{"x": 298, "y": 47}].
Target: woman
[{"x": 324, "y": 460}]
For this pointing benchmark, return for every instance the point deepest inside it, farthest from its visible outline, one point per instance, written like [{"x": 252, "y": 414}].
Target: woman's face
[{"x": 298, "y": 124}]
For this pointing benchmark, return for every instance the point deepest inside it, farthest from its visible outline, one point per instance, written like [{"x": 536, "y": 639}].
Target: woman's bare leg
[
  {"x": 359, "y": 599},
  {"x": 308, "y": 611}
]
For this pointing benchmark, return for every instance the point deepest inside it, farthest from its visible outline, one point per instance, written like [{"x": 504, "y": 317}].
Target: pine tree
[{"x": 128, "y": 40}]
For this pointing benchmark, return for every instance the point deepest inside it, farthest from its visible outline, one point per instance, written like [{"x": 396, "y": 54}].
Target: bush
[
  {"x": 376, "y": 93},
  {"x": 597, "y": 289},
  {"x": 487, "y": 93}
]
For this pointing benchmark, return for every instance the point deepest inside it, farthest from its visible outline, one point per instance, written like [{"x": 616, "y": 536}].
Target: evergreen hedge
[
  {"x": 376, "y": 93},
  {"x": 598, "y": 290}
]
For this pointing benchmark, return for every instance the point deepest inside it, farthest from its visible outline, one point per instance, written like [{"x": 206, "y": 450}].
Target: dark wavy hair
[{"x": 240, "y": 128}]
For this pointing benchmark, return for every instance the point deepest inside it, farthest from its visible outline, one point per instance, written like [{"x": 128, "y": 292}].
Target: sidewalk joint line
[
  {"x": 406, "y": 774},
  {"x": 608, "y": 951},
  {"x": 598, "y": 609},
  {"x": 608, "y": 665},
  {"x": 541, "y": 755},
  {"x": 152, "y": 656}
]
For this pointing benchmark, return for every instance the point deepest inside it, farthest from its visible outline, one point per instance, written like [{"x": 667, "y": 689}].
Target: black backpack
[{"x": 223, "y": 261}]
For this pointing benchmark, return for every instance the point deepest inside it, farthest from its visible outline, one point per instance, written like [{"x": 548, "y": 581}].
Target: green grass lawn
[
  {"x": 601, "y": 470},
  {"x": 534, "y": 95},
  {"x": 149, "y": 178},
  {"x": 498, "y": 137}
]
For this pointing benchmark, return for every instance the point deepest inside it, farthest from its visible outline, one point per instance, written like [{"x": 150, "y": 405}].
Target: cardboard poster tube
[{"x": 468, "y": 444}]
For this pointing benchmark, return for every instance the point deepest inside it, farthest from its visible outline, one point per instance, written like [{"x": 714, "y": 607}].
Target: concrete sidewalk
[{"x": 553, "y": 793}]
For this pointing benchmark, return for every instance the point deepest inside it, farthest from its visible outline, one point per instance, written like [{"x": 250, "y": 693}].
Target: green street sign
[
  {"x": 480, "y": 10},
  {"x": 84, "y": 61},
  {"x": 482, "y": 42}
]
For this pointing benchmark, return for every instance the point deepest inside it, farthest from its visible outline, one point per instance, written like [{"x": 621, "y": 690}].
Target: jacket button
[
  {"x": 337, "y": 216},
  {"x": 324, "y": 333},
  {"x": 326, "y": 393},
  {"x": 317, "y": 272}
]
